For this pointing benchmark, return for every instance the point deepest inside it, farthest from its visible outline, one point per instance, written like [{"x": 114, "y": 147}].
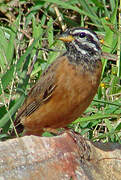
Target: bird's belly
[{"x": 67, "y": 103}]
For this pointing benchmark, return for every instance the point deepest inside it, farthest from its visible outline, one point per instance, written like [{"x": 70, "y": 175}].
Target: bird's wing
[{"x": 40, "y": 93}]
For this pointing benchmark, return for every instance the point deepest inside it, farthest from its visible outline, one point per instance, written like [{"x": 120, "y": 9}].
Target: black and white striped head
[{"x": 82, "y": 42}]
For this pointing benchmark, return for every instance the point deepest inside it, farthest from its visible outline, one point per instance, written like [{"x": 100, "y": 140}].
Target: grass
[{"x": 28, "y": 26}]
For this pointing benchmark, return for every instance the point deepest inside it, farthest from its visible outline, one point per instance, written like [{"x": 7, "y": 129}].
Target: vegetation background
[{"x": 27, "y": 26}]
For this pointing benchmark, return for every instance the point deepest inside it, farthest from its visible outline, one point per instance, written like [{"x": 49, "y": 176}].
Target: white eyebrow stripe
[{"x": 87, "y": 32}]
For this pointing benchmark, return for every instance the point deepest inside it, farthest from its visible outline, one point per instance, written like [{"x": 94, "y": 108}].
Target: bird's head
[{"x": 81, "y": 42}]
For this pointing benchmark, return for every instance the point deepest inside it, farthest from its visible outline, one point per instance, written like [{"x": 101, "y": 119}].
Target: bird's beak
[{"x": 66, "y": 38}]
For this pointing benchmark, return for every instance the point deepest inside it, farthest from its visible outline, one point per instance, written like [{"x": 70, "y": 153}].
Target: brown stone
[{"x": 64, "y": 157}]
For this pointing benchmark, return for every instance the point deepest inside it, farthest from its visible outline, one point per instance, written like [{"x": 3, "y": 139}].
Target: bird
[{"x": 67, "y": 87}]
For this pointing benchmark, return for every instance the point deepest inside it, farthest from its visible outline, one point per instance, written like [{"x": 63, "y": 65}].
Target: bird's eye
[{"x": 82, "y": 35}]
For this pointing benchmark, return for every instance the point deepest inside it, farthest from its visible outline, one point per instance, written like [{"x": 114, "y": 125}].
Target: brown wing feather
[{"x": 40, "y": 93}]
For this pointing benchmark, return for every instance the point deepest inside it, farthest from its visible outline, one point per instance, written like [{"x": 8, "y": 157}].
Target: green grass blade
[
  {"x": 95, "y": 117},
  {"x": 6, "y": 118}
]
